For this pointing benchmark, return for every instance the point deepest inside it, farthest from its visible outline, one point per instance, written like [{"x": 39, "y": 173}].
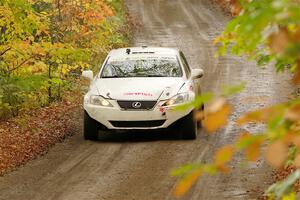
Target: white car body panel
[
  {"x": 159, "y": 89},
  {"x": 137, "y": 88}
]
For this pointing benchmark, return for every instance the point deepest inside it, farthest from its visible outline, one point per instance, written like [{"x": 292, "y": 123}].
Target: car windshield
[{"x": 142, "y": 67}]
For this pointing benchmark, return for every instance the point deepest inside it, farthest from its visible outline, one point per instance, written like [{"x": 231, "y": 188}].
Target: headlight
[
  {"x": 178, "y": 99},
  {"x": 99, "y": 101}
]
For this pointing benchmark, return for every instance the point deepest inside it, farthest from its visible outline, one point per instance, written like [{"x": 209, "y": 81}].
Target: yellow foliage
[
  {"x": 253, "y": 151},
  {"x": 293, "y": 113},
  {"x": 296, "y": 78},
  {"x": 224, "y": 155},
  {"x": 261, "y": 115},
  {"x": 291, "y": 196},
  {"x": 186, "y": 183},
  {"x": 276, "y": 153},
  {"x": 216, "y": 115}
]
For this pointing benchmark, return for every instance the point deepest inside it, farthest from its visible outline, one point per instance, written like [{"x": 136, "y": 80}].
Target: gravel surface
[{"x": 136, "y": 165}]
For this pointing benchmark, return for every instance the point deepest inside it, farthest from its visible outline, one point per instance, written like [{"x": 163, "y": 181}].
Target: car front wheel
[
  {"x": 90, "y": 127},
  {"x": 188, "y": 127}
]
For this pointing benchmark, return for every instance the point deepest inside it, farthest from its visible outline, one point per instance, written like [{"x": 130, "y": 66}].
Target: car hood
[{"x": 138, "y": 88}]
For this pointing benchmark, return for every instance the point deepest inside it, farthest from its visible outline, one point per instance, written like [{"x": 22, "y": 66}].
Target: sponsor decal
[
  {"x": 138, "y": 94},
  {"x": 162, "y": 110}
]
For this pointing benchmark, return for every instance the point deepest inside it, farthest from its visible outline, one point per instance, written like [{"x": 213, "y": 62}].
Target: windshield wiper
[
  {"x": 155, "y": 75},
  {"x": 115, "y": 76}
]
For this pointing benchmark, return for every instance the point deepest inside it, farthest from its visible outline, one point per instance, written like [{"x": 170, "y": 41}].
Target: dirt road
[{"x": 135, "y": 165}]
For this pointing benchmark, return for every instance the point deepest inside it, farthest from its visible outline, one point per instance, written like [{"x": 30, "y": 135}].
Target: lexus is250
[{"x": 141, "y": 88}]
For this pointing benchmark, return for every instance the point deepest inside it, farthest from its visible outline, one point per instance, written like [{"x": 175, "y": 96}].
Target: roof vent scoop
[{"x": 128, "y": 51}]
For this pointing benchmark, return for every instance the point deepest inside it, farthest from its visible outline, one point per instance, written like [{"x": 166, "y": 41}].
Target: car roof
[{"x": 143, "y": 51}]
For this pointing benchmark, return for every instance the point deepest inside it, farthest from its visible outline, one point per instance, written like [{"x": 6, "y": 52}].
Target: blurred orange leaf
[
  {"x": 296, "y": 141},
  {"x": 296, "y": 127},
  {"x": 279, "y": 41},
  {"x": 223, "y": 168},
  {"x": 255, "y": 116},
  {"x": 276, "y": 153},
  {"x": 261, "y": 115},
  {"x": 186, "y": 183},
  {"x": 296, "y": 35},
  {"x": 199, "y": 115},
  {"x": 243, "y": 140},
  {"x": 236, "y": 9},
  {"x": 290, "y": 138},
  {"x": 293, "y": 113},
  {"x": 296, "y": 78},
  {"x": 297, "y": 161},
  {"x": 224, "y": 155},
  {"x": 253, "y": 151},
  {"x": 217, "y": 40},
  {"x": 251, "y": 144},
  {"x": 217, "y": 115}
]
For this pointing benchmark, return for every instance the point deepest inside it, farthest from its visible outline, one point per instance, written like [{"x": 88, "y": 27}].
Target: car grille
[
  {"x": 129, "y": 124},
  {"x": 142, "y": 105}
]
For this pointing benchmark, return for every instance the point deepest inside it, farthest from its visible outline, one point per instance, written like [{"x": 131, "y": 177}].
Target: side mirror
[
  {"x": 197, "y": 73},
  {"x": 88, "y": 74}
]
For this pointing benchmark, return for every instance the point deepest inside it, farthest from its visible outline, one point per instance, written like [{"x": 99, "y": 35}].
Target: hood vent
[{"x": 144, "y": 52}]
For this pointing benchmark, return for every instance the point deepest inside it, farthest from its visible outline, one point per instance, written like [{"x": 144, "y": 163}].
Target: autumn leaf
[
  {"x": 296, "y": 127},
  {"x": 255, "y": 116},
  {"x": 296, "y": 78},
  {"x": 217, "y": 40},
  {"x": 293, "y": 113},
  {"x": 276, "y": 153},
  {"x": 228, "y": 91},
  {"x": 186, "y": 183},
  {"x": 279, "y": 41},
  {"x": 216, "y": 115},
  {"x": 235, "y": 8},
  {"x": 253, "y": 151},
  {"x": 251, "y": 144},
  {"x": 224, "y": 155},
  {"x": 297, "y": 161},
  {"x": 262, "y": 115},
  {"x": 291, "y": 196},
  {"x": 199, "y": 115},
  {"x": 296, "y": 141},
  {"x": 223, "y": 168},
  {"x": 296, "y": 35},
  {"x": 243, "y": 140},
  {"x": 291, "y": 138}
]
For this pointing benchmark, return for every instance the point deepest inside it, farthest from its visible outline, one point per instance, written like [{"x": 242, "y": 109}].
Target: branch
[
  {"x": 19, "y": 65},
  {"x": 6, "y": 50}
]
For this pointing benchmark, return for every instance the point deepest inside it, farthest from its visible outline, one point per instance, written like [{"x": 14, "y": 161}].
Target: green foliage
[
  {"x": 283, "y": 188},
  {"x": 268, "y": 31},
  {"x": 44, "y": 43},
  {"x": 209, "y": 96},
  {"x": 19, "y": 94},
  {"x": 265, "y": 30},
  {"x": 231, "y": 90},
  {"x": 199, "y": 100}
]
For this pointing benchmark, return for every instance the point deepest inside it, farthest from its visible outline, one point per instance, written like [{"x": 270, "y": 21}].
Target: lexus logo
[{"x": 136, "y": 104}]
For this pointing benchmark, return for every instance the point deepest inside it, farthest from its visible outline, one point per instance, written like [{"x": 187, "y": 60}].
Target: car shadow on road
[{"x": 138, "y": 136}]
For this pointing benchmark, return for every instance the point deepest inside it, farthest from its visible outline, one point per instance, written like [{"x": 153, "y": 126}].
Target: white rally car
[{"x": 139, "y": 88}]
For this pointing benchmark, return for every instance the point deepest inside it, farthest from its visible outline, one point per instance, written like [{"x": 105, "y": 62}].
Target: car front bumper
[{"x": 116, "y": 118}]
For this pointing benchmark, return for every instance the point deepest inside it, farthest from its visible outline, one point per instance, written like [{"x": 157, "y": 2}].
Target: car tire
[
  {"x": 199, "y": 122},
  {"x": 90, "y": 128},
  {"x": 188, "y": 127}
]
